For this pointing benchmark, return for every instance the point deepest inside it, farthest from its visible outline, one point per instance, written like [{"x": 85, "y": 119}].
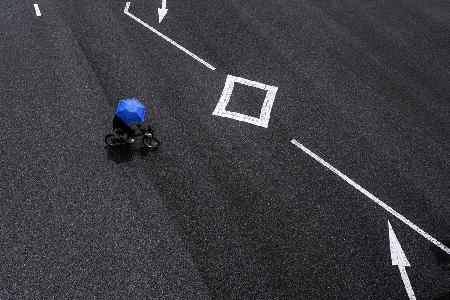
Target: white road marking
[
  {"x": 127, "y": 6},
  {"x": 373, "y": 198},
  {"x": 162, "y": 11},
  {"x": 407, "y": 283},
  {"x": 399, "y": 259},
  {"x": 264, "y": 117},
  {"x": 38, "y": 11}
]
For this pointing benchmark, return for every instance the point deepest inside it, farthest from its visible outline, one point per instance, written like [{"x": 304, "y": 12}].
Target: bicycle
[{"x": 116, "y": 140}]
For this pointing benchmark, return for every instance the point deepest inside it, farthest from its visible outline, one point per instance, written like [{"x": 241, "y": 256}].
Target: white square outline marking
[{"x": 264, "y": 116}]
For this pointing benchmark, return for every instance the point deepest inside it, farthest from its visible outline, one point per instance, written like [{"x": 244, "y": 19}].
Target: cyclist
[{"x": 122, "y": 129}]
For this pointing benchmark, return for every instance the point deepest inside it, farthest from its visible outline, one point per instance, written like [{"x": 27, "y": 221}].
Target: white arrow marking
[
  {"x": 372, "y": 197},
  {"x": 38, "y": 11},
  {"x": 127, "y": 6},
  {"x": 162, "y": 11},
  {"x": 399, "y": 259}
]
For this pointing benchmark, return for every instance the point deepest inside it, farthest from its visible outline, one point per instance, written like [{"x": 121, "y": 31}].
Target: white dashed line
[
  {"x": 373, "y": 198},
  {"x": 38, "y": 11},
  {"x": 127, "y": 6},
  {"x": 264, "y": 116}
]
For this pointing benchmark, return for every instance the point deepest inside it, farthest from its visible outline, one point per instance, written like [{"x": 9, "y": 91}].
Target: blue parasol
[{"x": 131, "y": 111}]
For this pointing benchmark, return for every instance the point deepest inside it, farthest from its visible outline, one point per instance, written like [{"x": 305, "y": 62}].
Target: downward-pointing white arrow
[
  {"x": 162, "y": 11},
  {"x": 399, "y": 259}
]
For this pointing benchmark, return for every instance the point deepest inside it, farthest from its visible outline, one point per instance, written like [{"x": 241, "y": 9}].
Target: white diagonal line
[
  {"x": 127, "y": 6},
  {"x": 372, "y": 197}
]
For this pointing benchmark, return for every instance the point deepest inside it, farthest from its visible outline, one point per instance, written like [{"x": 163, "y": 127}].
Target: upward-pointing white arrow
[
  {"x": 399, "y": 259},
  {"x": 162, "y": 11}
]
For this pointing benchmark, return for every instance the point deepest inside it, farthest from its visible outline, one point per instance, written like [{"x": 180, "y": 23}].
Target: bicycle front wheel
[{"x": 150, "y": 142}]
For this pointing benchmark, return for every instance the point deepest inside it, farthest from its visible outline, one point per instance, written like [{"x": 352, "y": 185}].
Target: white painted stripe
[
  {"x": 127, "y": 6},
  {"x": 407, "y": 283},
  {"x": 264, "y": 116},
  {"x": 38, "y": 11},
  {"x": 372, "y": 197}
]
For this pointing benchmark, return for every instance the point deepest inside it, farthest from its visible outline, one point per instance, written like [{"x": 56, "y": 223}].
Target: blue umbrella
[{"x": 131, "y": 111}]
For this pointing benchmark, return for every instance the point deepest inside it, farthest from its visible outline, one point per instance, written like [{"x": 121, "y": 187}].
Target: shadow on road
[
  {"x": 442, "y": 257},
  {"x": 445, "y": 296},
  {"x": 125, "y": 153},
  {"x": 121, "y": 154}
]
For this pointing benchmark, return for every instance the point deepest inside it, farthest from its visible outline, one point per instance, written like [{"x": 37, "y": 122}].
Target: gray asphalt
[{"x": 224, "y": 209}]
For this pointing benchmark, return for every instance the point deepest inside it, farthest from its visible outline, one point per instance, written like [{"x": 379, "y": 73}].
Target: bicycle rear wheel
[
  {"x": 113, "y": 140},
  {"x": 150, "y": 142}
]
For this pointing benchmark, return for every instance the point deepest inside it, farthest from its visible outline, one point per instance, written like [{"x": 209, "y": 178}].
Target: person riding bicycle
[
  {"x": 127, "y": 125},
  {"x": 122, "y": 129},
  {"x": 129, "y": 116}
]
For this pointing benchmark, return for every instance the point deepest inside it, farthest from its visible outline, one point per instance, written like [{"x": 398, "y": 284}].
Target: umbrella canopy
[{"x": 131, "y": 111}]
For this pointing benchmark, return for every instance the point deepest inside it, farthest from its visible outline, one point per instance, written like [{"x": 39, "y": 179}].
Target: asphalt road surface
[{"x": 224, "y": 209}]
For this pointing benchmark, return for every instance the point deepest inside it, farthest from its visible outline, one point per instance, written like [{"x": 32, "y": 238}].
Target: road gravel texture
[{"x": 224, "y": 209}]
